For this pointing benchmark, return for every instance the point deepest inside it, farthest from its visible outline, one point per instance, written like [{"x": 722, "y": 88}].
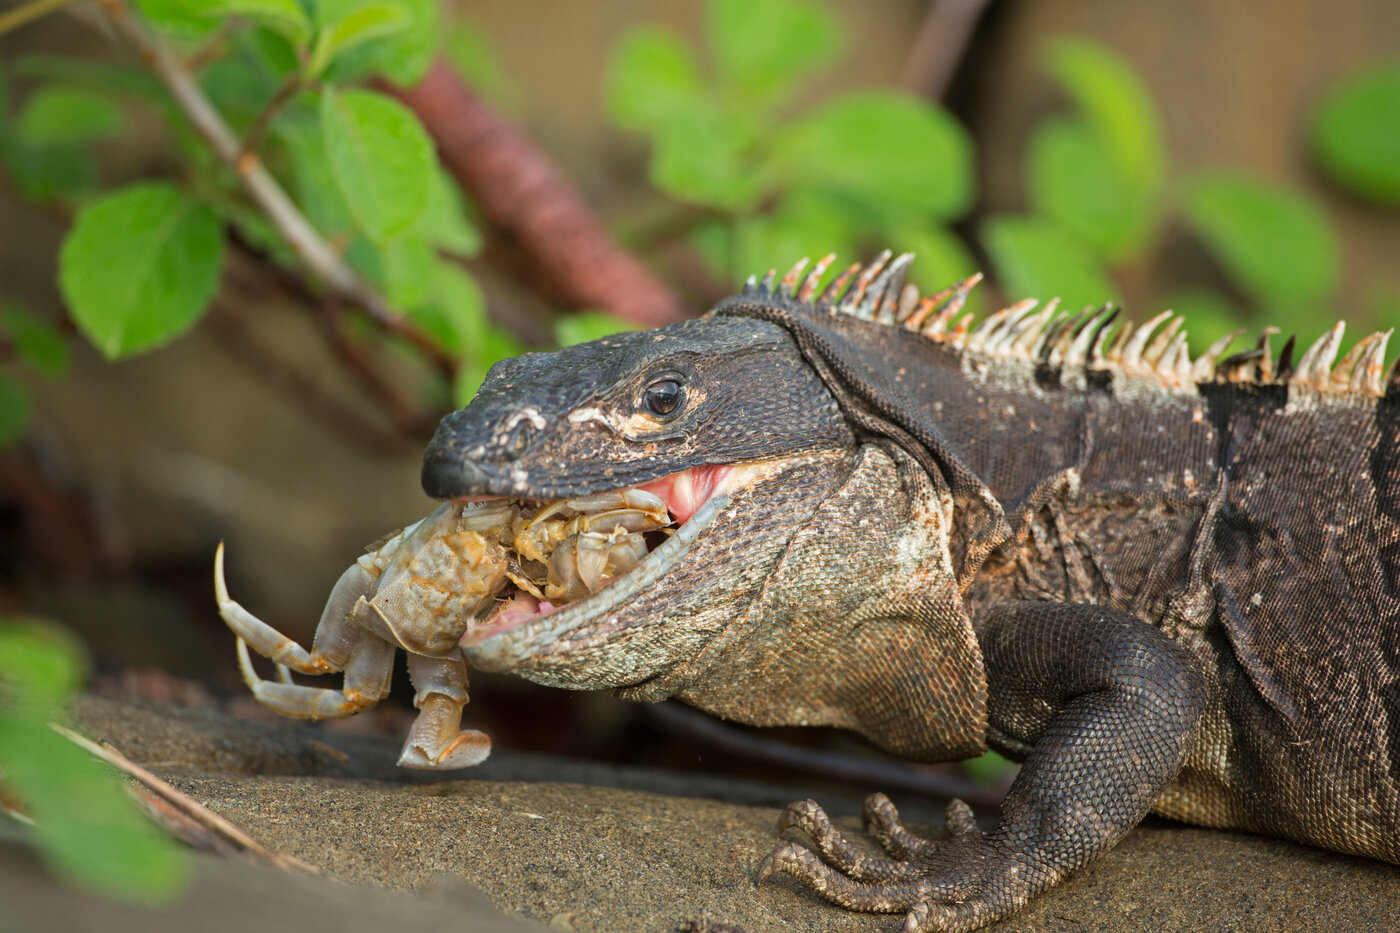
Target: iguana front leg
[{"x": 1100, "y": 706}]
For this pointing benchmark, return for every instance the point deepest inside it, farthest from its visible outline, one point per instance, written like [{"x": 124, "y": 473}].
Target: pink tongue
[{"x": 685, "y": 492}]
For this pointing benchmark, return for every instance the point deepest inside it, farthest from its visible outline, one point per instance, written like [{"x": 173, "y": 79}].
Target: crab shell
[{"x": 433, "y": 578}]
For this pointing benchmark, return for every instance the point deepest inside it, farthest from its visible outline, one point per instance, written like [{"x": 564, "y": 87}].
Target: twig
[
  {"x": 939, "y": 47},
  {"x": 411, "y": 423},
  {"x": 295, "y": 288},
  {"x": 525, "y": 198},
  {"x": 195, "y": 822},
  {"x": 409, "y": 419},
  {"x": 253, "y": 139},
  {"x": 342, "y": 420},
  {"x": 213, "y": 48},
  {"x": 313, "y": 250},
  {"x": 866, "y": 772},
  {"x": 27, "y": 13}
]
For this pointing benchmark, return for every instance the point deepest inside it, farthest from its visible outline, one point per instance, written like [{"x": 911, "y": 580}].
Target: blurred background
[{"x": 252, "y": 250}]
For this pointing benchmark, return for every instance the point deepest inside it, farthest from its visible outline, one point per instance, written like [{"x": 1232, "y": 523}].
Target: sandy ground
[{"x": 594, "y": 848}]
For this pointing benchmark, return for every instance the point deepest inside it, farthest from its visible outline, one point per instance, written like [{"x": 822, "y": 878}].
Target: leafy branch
[
  {"x": 319, "y": 257},
  {"x": 333, "y": 191}
]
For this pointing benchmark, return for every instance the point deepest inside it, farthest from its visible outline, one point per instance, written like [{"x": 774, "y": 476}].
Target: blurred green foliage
[
  {"x": 774, "y": 177},
  {"x": 1355, "y": 134},
  {"x": 83, "y": 825},
  {"x": 142, "y": 261},
  {"x": 759, "y": 169},
  {"x": 771, "y": 181}
]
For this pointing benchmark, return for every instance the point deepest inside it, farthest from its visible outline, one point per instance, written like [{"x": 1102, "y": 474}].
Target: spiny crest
[{"x": 1045, "y": 335}]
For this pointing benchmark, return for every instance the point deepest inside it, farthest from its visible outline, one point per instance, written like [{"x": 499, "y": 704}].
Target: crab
[{"x": 431, "y": 586}]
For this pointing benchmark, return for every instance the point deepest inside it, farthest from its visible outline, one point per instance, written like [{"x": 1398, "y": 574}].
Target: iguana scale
[{"x": 1163, "y": 584}]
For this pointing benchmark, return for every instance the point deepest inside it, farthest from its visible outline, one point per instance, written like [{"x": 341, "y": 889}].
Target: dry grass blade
[{"x": 189, "y": 820}]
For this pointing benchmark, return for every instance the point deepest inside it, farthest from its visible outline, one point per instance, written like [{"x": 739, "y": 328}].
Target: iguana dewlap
[{"x": 1163, "y": 584}]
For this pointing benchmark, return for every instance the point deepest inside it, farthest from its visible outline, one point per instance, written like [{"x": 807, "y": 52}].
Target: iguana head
[
  {"x": 804, "y": 529},
  {"x": 632, "y": 409}
]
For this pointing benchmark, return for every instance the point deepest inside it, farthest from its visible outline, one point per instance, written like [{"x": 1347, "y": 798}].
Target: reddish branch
[
  {"x": 529, "y": 201},
  {"x": 939, "y": 46}
]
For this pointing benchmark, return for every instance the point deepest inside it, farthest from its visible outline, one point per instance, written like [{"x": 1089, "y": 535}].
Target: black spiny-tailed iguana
[{"x": 1164, "y": 584}]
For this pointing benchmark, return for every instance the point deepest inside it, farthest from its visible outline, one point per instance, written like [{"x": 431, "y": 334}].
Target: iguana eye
[{"x": 663, "y": 397}]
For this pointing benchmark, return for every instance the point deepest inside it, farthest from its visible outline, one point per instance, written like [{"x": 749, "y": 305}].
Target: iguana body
[{"x": 1161, "y": 584}]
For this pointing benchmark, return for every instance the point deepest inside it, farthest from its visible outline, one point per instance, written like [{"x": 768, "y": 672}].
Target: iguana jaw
[{"x": 516, "y": 630}]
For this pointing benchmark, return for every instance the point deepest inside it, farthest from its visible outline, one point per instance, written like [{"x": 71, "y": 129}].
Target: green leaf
[
  {"x": 14, "y": 409},
  {"x": 445, "y": 223},
  {"x": 942, "y": 259},
  {"x": 1117, "y": 107},
  {"x": 1208, "y": 314},
  {"x": 700, "y": 156},
  {"x": 402, "y": 55},
  {"x": 240, "y": 85},
  {"x": 98, "y": 77},
  {"x": 583, "y": 326},
  {"x": 57, "y": 116},
  {"x": 496, "y": 345},
  {"x": 1355, "y": 134},
  {"x": 1075, "y": 179},
  {"x": 408, "y": 265},
  {"x": 987, "y": 769},
  {"x": 893, "y": 152},
  {"x": 1038, "y": 258},
  {"x": 472, "y": 56},
  {"x": 455, "y": 317},
  {"x": 285, "y": 17},
  {"x": 344, "y": 25},
  {"x": 651, "y": 75},
  {"x": 1274, "y": 242},
  {"x": 41, "y": 666},
  {"x": 1383, "y": 301},
  {"x": 85, "y": 827},
  {"x": 312, "y": 179},
  {"x": 188, "y": 18},
  {"x": 36, "y": 339},
  {"x": 51, "y": 174},
  {"x": 139, "y": 266},
  {"x": 380, "y": 157},
  {"x": 763, "y": 49},
  {"x": 273, "y": 52},
  {"x": 803, "y": 223}
]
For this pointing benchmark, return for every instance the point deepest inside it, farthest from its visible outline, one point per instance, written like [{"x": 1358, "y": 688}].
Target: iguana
[{"x": 1163, "y": 584}]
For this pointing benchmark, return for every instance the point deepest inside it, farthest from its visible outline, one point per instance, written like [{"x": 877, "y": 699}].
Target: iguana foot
[{"x": 954, "y": 884}]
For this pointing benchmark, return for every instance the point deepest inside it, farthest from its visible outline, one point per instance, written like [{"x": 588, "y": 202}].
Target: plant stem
[
  {"x": 13, "y": 19},
  {"x": 252, "y": 140}
]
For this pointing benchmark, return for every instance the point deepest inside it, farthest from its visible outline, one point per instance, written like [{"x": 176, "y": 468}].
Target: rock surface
[{"x": 594, "y": 848}]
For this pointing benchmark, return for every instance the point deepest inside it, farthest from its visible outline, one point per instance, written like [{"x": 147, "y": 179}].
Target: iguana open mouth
[{"x": 573, "y": 561}]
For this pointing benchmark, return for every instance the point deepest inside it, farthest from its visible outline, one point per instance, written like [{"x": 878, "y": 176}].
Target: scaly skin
[{"x": 1163, "y": 584}]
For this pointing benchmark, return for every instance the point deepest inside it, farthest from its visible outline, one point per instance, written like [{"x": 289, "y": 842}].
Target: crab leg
[
  {"x": 265, "y": 639},
  {"x": 366, "y": 683},
  {"x": 437, "y": 740},
  {"x": 339, "y": 645}
]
